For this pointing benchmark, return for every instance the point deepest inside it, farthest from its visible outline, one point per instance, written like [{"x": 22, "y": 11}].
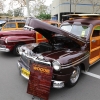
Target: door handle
[{"x": 93, "y": 40}]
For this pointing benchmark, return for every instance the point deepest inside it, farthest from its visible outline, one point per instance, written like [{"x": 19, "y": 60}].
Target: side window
[
  {"x": 21, "y": 25},
  {"x": 96, "y": 31},
  {"x": 10, "y": 25}
]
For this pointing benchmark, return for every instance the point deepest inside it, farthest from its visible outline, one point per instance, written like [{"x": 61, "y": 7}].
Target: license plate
[{"x": 25, "y": 72}]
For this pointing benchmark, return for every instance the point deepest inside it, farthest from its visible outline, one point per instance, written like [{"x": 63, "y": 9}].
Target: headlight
[{"x": 56, "y": 65}]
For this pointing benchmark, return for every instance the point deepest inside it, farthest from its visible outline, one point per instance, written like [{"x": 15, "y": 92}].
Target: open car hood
[{"x": 48, "y": 31}]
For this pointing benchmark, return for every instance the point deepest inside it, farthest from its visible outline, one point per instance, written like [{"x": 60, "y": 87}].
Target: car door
[{"x": 95, "y": 45}]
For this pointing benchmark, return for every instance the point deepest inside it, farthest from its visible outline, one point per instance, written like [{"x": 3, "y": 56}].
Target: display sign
[{"x": 40, "y": 81}]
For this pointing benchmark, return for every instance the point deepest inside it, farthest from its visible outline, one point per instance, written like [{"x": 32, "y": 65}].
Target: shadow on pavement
[{"x": 8, "y": 54}]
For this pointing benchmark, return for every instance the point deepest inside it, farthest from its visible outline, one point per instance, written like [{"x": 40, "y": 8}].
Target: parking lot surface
[{"x": 14, "y": 87}]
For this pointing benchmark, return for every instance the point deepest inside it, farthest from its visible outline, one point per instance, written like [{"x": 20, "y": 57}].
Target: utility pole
[
  {"x": 27, "y": 5},
  {"x": 70, "y": 6},
  {"x": 59, "y": 11}
]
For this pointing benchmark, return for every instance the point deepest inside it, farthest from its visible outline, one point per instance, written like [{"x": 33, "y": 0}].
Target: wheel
[
  {"x": 15, "y": 51},
  {"x": 74, "y": 77}
]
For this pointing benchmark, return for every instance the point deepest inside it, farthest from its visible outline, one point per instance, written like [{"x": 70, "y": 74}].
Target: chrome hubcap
[{"x": 75, "y": 75}]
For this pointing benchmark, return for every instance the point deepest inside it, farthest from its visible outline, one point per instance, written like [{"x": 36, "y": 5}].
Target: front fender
[{"x": 14, "y": 39}]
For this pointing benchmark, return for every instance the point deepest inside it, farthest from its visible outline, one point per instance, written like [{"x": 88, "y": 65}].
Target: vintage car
[
  {"x": 13, "y": 25},
  {"x": 11, "y": 40},
  {"x": 71, "y": 48},
  {"x": 2, "y": 22},
  {"x": 59, "y": 62}
]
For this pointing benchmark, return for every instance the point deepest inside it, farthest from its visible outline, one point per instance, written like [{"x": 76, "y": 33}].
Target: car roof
[
  {"x": 93, "y": 19},
  {"x": 87, "y": 21}
]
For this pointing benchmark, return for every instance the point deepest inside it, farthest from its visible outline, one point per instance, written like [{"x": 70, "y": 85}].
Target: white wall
[{"x": 59, "y": 6}]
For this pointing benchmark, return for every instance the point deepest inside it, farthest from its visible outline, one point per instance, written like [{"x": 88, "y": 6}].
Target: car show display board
[{"x": 40, "y": 81}]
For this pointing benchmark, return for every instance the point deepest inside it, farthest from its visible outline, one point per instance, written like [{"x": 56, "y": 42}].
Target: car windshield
[{"x": 80, "y": 30}]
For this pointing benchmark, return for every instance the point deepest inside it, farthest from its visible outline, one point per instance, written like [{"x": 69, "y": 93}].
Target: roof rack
[
  {"x": 12, "y": 19},
  {"x": 75, "y": 16},
  {"x": 84, "y": 15}
]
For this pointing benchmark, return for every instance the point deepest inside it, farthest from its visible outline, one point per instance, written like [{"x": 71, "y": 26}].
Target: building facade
[{"x": 63, "y": 7}]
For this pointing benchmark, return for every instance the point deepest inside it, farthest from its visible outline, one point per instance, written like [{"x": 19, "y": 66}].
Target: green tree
[
  {"x": 38, "y": 8},
  {"x": 10, "y": 13},
  {"x": 18, "y": 12},
  {"x": 1, "y": 6},
  {"x": 43, "y": 16}
]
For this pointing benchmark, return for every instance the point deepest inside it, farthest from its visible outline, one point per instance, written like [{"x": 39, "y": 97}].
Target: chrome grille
[
  {"x": 2, "y": 42},
  {"x": 25, "y": 60},
  {"x": 42, "y": 62},
  {"x": 2, "y": 46}
]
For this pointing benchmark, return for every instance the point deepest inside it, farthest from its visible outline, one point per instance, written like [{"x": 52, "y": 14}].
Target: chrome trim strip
[
  {"x": 81, "y": 59},
  {"x": 20, "y": 40},
  {"x": 26, "y": 26},
  {"x": 24, "y": 62},
  {"x": 56, "y": 80},
  {"x": 35, "y": 59},
  {"x": 75, "y": 63},
  {"x": 42, "y": 62}
]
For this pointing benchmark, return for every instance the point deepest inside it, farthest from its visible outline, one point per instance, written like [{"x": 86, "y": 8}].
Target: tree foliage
[
  {"x": 18, "y": 12},
  {"x": 15, "y": 8},
  {"x": 10, "y": 13},
  {"x": 39, "y": 8},
  {"x": 43, "y": 16},
  {"x": 1, "y": 5}
]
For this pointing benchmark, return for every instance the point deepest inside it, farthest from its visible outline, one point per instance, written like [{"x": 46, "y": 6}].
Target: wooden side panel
[
  {"x": 95, "y": 45},
  {"x": 40, "y": 38},
  {"x": 40, "y": 81}
]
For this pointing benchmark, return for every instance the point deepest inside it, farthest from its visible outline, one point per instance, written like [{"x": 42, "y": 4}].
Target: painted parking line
[{"x": 91, "y": 74}]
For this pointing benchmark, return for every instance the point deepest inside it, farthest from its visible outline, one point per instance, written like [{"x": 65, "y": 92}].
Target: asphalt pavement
[{"x": 14, "y": 87}]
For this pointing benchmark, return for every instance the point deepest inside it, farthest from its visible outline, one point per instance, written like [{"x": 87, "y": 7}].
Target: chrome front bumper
[
  {"x": 4, "y": 49},
  {"x": 20, "y": 71},
  {"x": 56, "y": 84}
]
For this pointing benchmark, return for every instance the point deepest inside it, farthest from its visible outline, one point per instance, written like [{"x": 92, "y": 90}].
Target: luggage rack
[
  {"x": 76, "y": 16},
  {"x": 12, "y": 19}
]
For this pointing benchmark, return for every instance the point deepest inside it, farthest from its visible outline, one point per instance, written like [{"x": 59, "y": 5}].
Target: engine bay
[{"x": 56, "y": 43}]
